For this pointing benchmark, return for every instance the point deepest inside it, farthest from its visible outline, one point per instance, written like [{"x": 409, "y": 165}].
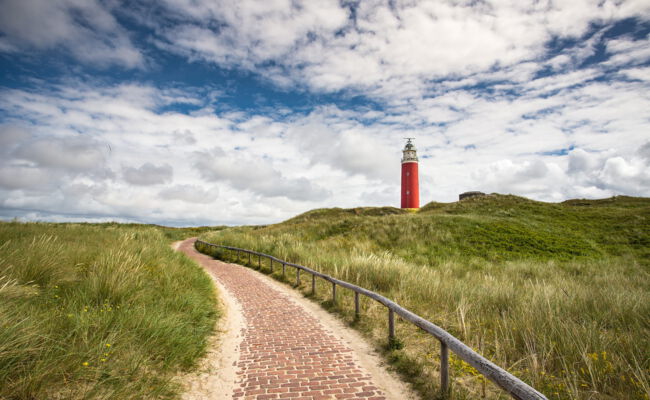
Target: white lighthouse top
[{"x": 409, "y": 152}]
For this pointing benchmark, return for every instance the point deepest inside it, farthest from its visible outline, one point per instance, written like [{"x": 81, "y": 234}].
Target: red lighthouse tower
[{"x": 410, "y": 181}]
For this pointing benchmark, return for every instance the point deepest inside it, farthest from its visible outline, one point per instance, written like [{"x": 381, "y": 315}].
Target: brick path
[{"x": 285, "y": 353}]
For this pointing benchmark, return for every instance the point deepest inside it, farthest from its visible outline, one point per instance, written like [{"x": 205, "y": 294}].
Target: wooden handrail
[{"x": 505, "y": 380}]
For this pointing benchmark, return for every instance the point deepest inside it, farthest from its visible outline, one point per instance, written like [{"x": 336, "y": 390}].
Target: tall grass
[
  {"x": 558, "y": 294},
  {"x": 98, "y": 311}
]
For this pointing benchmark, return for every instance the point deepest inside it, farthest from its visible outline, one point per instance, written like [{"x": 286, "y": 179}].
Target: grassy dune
[
  {"x": 98, "y": 311},
  {"x": 558, "y": 294}
]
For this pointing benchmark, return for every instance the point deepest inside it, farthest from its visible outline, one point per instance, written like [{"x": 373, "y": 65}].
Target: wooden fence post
[
  {"x": 259, "y": 261},
  {"x": 356, "y": 305},
  {"x": 391, "y": 326},
  {"x": 333, "y": 293},
  {"x": 444, "y": 367},
  {"x": 313, "y": 284},
  {"x": 284, "y": 272},
  {"x": 297, "y": 276}
]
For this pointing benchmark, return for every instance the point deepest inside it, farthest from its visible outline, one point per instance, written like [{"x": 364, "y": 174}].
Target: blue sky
[{"x": 197, "y": 112}]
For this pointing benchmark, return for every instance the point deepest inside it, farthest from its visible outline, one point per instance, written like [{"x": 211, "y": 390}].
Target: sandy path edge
[
  {"x": 211, "y": 381},
  {"x": 216, "y": 375}
]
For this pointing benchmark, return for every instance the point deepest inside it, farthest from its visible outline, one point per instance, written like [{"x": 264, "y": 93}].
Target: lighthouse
[{"x": 410, "y": 181}]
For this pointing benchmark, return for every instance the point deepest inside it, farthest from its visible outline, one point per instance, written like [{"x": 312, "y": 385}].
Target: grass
[
  {"x": 103, "y": 311},
  {"x": 558, "y": 294}
]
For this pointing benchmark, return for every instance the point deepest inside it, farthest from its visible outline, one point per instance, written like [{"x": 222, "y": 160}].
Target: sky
[{"x": 218, "y": 112}]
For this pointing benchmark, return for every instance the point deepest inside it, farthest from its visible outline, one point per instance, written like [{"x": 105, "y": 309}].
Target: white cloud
[
  {"x": 626, "y": 51},
  {"x": 248, "y": 32},
  {"x": 247, "y": 173},
  {"x": 626, "y": 176},
  {"x": 644, "y": 152},
  {"x": 642, "y": 74},
  {"x": 155, "y": 151},
  {"x": 148, "y": 174},
  {"x": 39, "y": 163},
  {"x": 580, "y": 162},
  {"x": 73, "y": 153},
  {"x": 588, "y": 174},
  {"x": 328, "y": 136},
  {"x": 11, "y": 136},
  {"x": 24, "y": 177},
  {"x": 85, "y": 29},
  {"x": 190, "y": 194},
  {"x": 538, "y": 178},
  {"x": 387, "y": 49}
]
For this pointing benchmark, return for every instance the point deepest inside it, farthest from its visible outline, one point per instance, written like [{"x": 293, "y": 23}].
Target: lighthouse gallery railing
[{"x": 506, "y": 381}]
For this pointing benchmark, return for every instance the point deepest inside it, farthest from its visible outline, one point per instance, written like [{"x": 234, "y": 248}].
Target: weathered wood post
[
  {"x": 356, "y": 305},
  {"x": 297, "y": 277},
  {"x": 313, "y": 284},
  {"x": 284, "y": 272},
  {"x": 391, "y": 326},
  {"x": 333, "y": 293},
  {"x": 444, "y": 367},
  {"x": 249, "y": 258},
  {"x": 259, "y": 261},
  {"x": 271, "y": 265}
]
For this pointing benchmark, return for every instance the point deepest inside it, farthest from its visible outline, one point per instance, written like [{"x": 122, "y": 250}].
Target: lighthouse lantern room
[{"x": 410, "y": 181}]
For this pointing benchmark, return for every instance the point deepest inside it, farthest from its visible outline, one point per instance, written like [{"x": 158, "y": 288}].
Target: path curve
[{"x": 286, "y": 352}]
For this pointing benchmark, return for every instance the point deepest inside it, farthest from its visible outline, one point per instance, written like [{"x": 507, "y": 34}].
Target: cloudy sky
[{"x": 205, "y": 112}]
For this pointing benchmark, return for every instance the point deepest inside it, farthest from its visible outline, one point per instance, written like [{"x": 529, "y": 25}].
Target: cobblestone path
[{"x": 285, "y": 353}]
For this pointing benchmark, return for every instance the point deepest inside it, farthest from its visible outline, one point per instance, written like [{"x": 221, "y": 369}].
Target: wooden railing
[{"x": 506, "y": 381}]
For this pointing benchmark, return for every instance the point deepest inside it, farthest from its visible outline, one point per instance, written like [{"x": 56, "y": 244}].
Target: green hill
[
  {"x": 494, "y": 227},
  {"x": 558, "y": 293}
]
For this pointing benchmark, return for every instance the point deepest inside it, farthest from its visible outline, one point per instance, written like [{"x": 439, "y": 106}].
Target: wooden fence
[{"x": 506, "y": 381}]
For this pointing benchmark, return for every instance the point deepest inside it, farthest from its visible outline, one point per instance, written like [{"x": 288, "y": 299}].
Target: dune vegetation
[
  {"x": 558, "y": 294},
  {"x": 98, "y": 311}
]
